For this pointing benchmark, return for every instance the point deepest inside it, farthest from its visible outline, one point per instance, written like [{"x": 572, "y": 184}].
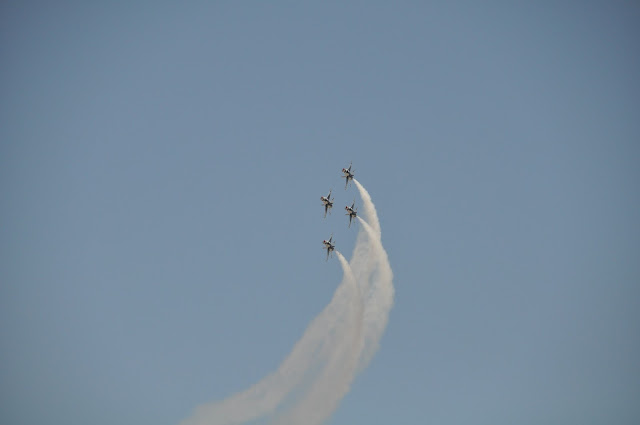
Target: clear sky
[{"x": 161, "y": 166}]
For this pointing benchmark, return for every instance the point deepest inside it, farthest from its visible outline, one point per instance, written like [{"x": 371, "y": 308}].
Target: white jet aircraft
[
  {"x": 348, "y": 175},
  {"x": 329, "y": 246},
  {"x": 352, "y": 211},
  {"x": 327, "y": 201}
]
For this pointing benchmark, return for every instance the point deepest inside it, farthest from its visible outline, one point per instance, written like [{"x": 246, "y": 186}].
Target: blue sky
[{"x": 161, "y": 166}]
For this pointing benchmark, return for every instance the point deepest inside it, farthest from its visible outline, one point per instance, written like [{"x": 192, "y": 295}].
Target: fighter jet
[
  {"x": 348, "y": 175},
  {"x": 327, "y": 201},
  {"x": 329, "y": 246},
  {"x": 352, "y": 211}
]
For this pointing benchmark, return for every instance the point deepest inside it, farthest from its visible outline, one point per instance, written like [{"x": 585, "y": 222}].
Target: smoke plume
[{"x": 309, "y": 384}]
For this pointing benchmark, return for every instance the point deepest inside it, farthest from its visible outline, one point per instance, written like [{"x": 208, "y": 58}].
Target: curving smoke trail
[
  {"x": 323, "y": 396},
  {"x": 309, "y": 353},
  {"x": 369, "y": 208},
  {"x": 309, "y": 384},
  {"x": 379, "y": 302},
  {"x": 376, "y": 280}
]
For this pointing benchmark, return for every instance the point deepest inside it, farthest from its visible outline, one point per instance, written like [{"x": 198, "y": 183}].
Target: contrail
[
  {"x": 310, "y": 352},
  {"x": 377, "y": 288},
  {"x": 309, "y": 384},
  {"x": 380, "y": 301},
  {"x": 331, "y": 385},
  {"x": 369, "y": 208}
]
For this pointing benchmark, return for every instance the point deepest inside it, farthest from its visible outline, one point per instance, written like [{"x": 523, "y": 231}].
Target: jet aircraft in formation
[
  {"x": 329, "y": 246},
  {"x": 352, "y": 211},
  {"x": 348, "y": 175},
  {"x": 327, "y": 202}
]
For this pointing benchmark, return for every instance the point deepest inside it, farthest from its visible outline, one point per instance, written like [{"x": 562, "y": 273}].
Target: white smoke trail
[
  {"x": 337, "y": 344},
  {"x": 377, "y": 288},
  {"x": 310, "y": 352},
  {"x": 369, "y": 208},
  {"x": 331, "y": 385}
]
